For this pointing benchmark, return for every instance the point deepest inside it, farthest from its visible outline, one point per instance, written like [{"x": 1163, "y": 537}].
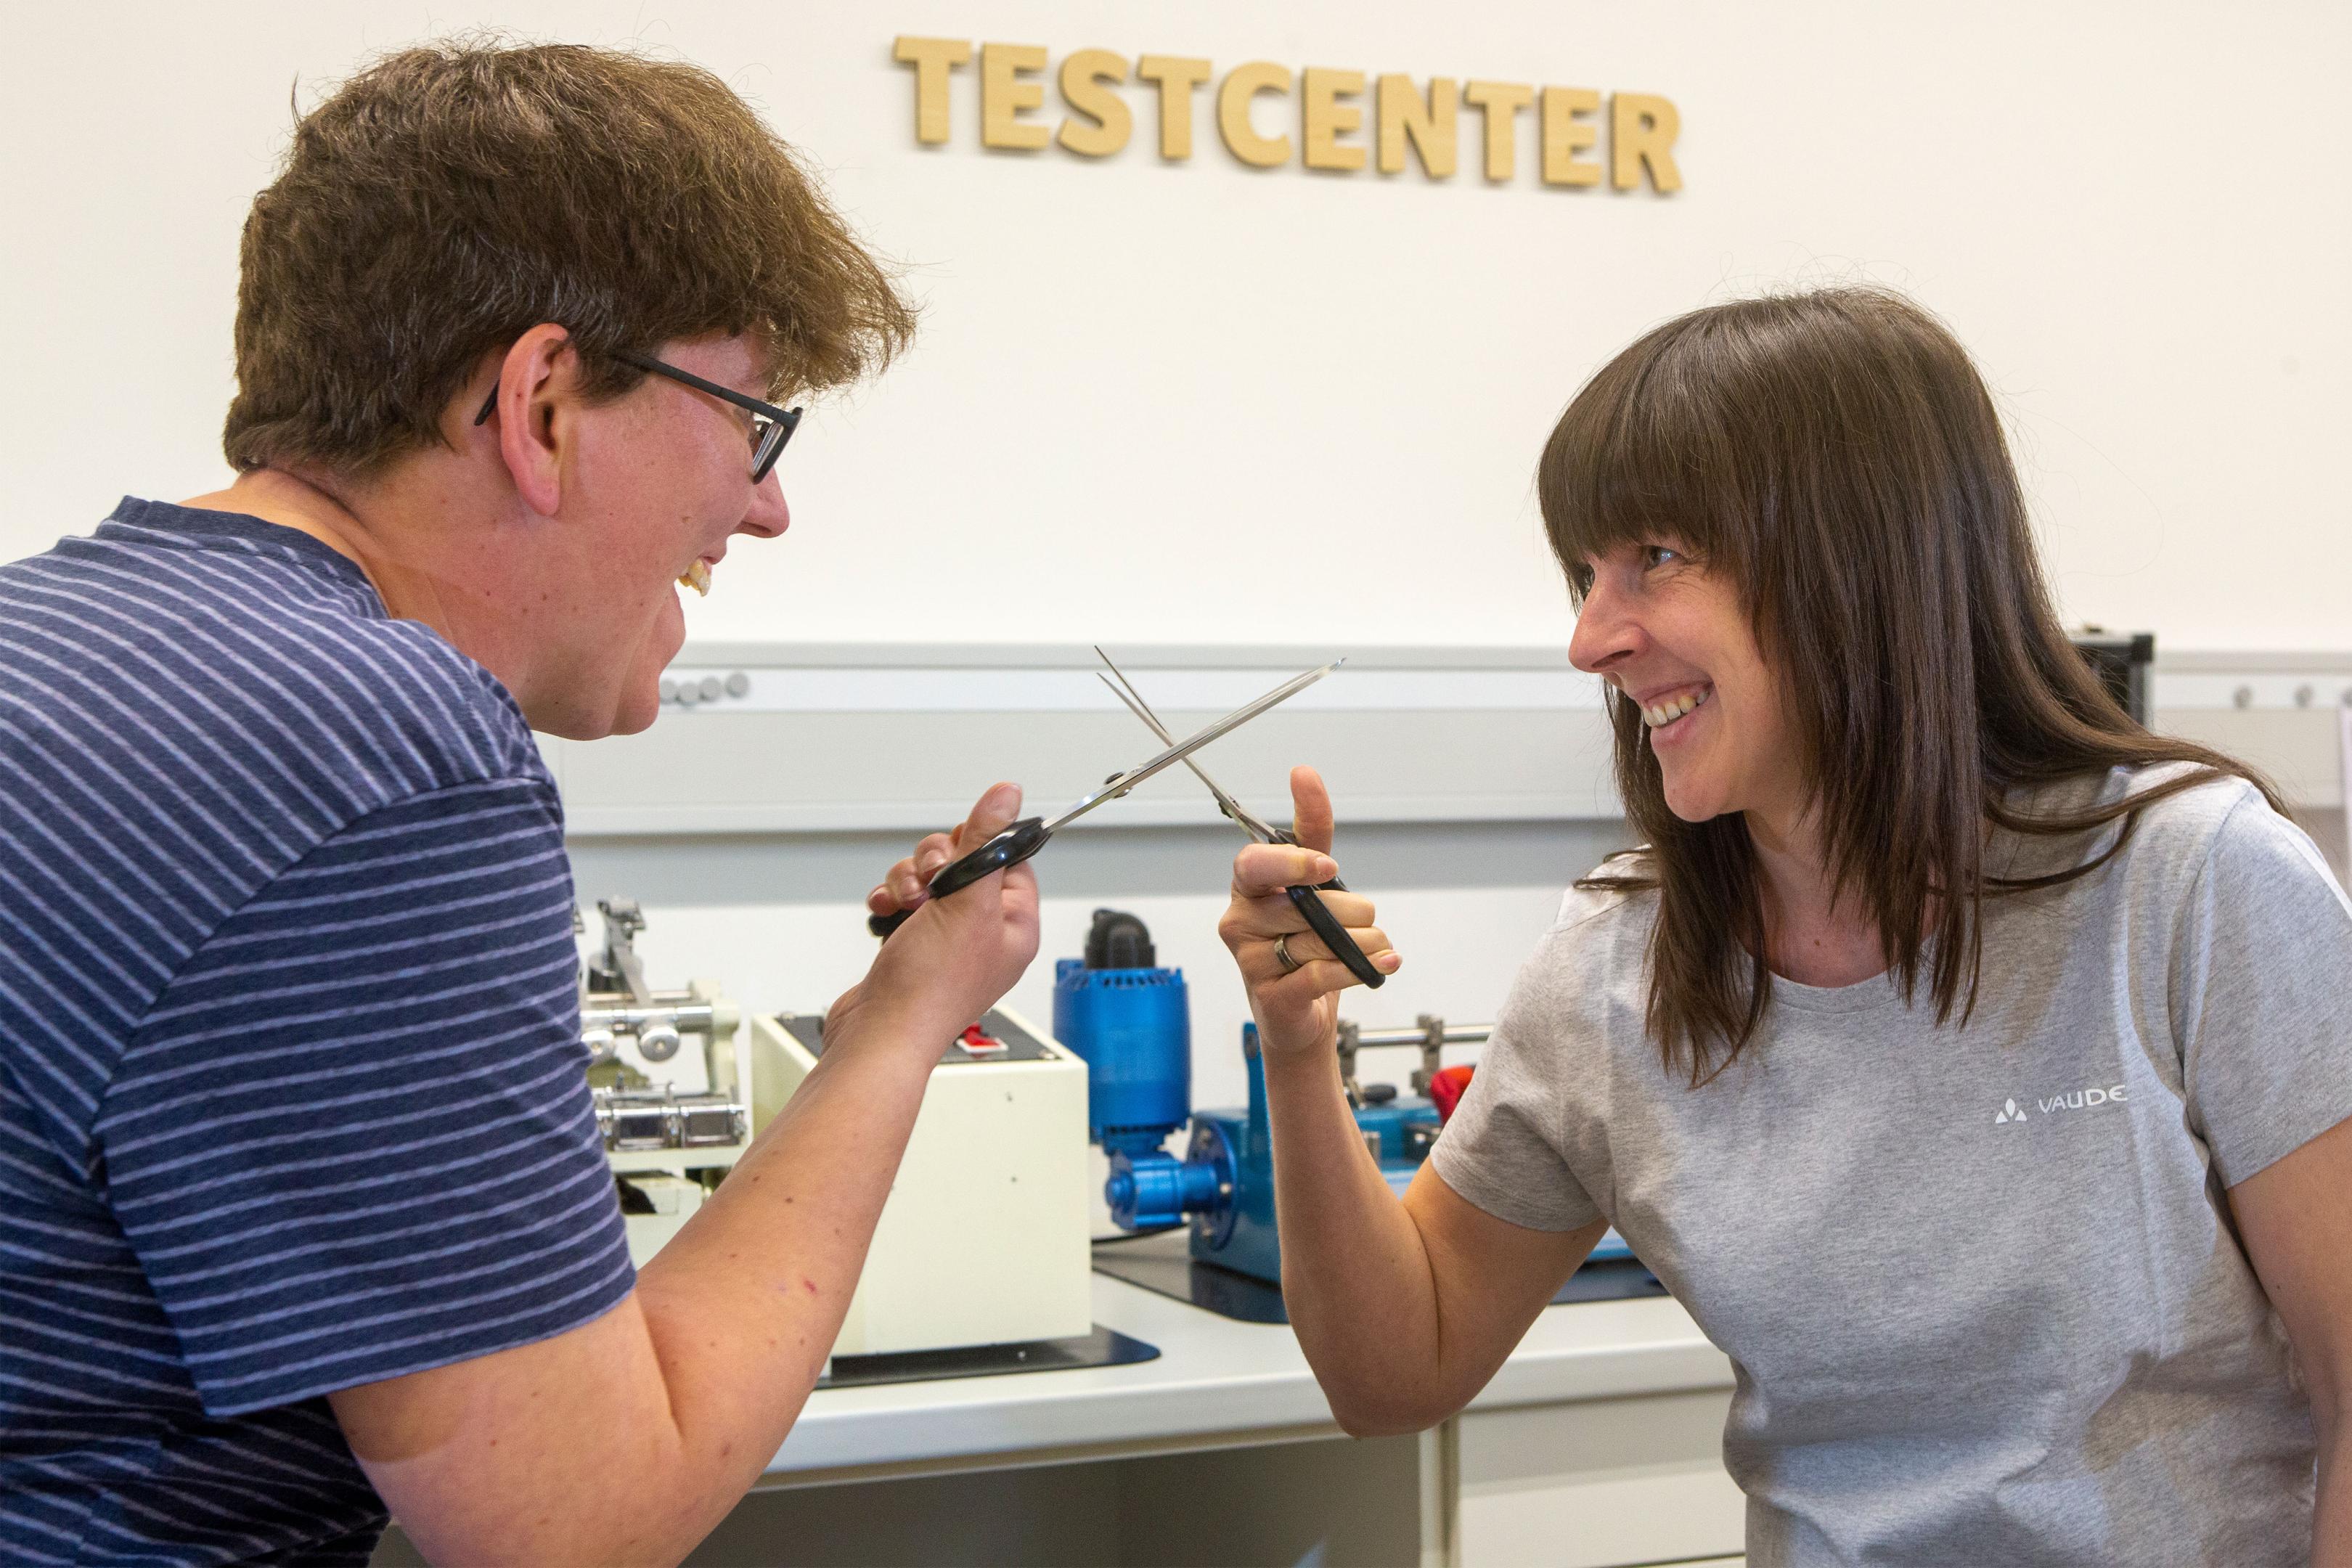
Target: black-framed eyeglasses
[{"x": 771, "y": 427}]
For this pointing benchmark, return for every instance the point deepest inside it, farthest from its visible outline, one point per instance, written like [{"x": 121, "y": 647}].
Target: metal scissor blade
[
  {"x": 1142, "y": 709},
  {"x": 1120, "y": 784},
  {"x": 1124, "y": 689},
  {"x": 1306, "y": 901}
]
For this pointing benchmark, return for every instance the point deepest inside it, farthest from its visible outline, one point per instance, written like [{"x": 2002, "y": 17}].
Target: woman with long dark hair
[{"x": 1971, "y": 1062}]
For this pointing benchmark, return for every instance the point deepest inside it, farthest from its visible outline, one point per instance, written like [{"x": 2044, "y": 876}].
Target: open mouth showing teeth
[
  {"x": 697, "y": 577},
  {"x": 1658, "y": 715}
]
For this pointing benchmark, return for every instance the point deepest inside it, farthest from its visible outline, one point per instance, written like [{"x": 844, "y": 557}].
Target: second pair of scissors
[
  {"x": 1026, "y": 836},
  {"x": 1319, "y": 918}
]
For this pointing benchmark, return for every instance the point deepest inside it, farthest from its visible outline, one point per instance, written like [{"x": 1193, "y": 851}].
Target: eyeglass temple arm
[{"x": 784, "y": 416}]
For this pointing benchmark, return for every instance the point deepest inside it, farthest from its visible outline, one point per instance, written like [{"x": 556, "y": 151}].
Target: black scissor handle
[
  {"x": 1326, "y": 924},
  {"x": 1008, "y": 849}
]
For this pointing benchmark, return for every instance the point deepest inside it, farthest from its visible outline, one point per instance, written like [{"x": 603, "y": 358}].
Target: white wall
[
  {"x": 1200, "y": 404},
  {"x": 1192, "y": 403}
]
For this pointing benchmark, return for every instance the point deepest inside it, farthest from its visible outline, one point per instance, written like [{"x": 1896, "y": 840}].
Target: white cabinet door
[{"x": 1600, "y": 1484}]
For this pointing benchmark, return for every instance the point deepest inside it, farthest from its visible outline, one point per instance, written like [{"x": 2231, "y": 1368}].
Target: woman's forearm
[
  {"x": 1352, "y": 1256},
  {"x": 745, "y": 1302},
  {"x": 688, "y": 1386},
  {"x": 2331, "y": 1519}
]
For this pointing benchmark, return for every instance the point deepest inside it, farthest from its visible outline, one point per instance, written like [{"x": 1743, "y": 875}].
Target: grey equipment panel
[{"x": 1020, "y": 1045}]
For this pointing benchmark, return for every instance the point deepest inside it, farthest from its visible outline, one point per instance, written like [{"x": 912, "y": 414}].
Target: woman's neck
[
  {"x": 311, "y": 506},
  {"x": 1811, "y": 936}
]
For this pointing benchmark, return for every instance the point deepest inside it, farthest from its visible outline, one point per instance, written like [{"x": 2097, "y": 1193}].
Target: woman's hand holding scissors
[
  {"x": 1293, "y": 979},
  {"x": 950, "y": 961}
]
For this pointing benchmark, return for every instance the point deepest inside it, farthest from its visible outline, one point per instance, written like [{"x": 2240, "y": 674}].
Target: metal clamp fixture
[
  {"x": 658, "y": 1118},
  {"x": 1352, "y": 1040},
  {"x": 615, "y": 1003},
  {"x": 1429, "y": 1032},
  {"x": 617, "y": 968}
]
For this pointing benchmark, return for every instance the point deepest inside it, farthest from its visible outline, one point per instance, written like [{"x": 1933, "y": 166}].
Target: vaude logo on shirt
[{"x": 2081, "y": 1100}]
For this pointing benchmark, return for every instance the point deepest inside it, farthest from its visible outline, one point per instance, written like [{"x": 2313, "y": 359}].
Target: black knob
[{"x": 1119, "y": 940}]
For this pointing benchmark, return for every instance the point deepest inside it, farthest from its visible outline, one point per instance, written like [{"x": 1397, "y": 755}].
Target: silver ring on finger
[{"x": 1282, "y": 955}]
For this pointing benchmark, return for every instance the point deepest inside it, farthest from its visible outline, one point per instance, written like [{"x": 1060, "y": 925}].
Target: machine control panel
[{"x": 996, "y": 1039}]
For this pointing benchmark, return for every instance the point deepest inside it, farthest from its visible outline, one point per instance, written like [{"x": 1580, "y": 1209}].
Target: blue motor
[{"x": 1131, "y": 1022}]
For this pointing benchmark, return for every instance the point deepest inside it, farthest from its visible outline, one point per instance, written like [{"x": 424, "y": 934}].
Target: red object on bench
[{"x": 1445, "y": 1089}]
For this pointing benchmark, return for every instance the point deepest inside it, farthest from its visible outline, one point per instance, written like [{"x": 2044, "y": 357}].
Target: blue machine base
[
  {"x": 1239, "y": 1233},
  {"x": 1232, "y": 1260}
]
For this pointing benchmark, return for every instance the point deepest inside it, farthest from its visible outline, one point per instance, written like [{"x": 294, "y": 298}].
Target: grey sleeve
[
  {"x": 2262, "y": 993},
  {"x": 1500, "y": 1151}
]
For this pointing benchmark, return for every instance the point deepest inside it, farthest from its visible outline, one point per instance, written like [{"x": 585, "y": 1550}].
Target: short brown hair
[
  {"x": 1836, "y": 456},
  {"x": 452, "y": 196}
]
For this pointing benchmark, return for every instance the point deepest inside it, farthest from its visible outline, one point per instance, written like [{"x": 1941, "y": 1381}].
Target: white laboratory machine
[{"x": 984, "y": 1239}]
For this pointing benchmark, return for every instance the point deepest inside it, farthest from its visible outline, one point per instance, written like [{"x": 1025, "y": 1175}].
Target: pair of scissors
[
  {"x": 1026, "y": 836},
  {"x": 1319, "y": 919}
]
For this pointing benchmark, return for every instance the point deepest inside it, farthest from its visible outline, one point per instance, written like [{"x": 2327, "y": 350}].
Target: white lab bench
[{"x": 1598, "y": 1443}]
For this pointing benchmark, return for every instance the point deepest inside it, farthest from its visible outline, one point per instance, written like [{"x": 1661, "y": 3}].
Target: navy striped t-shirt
[{"x": 291, "y": 1089}]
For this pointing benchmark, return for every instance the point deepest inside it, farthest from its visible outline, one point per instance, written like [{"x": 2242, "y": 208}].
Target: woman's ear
[{"x": 538, "y": 381}]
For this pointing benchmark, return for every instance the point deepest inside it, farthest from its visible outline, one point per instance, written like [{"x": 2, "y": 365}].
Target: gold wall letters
[
  {"x": 1329, "y": 111},
  {"x": 1500, "y": 103},
  {"x": 1405, "y": 116},
  {"x": 1083, "y": 76},
  {"x": 1242, "y": 86},
  {"x": 1641, "y": 129},
  {"x": 1002, "y": 95},
  {"x": 1326, "y": 120},
  {"x": 1177, "y": 77},
  {"x": 932, "y": 59},
  {"x": 1565, "y": 135}
]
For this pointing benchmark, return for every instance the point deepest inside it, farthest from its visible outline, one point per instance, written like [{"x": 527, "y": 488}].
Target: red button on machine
[{"x": 978, "y": 1042}]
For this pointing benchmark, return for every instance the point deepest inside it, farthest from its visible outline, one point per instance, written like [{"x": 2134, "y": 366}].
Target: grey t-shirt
[{"x": 1980, "y": 1285}]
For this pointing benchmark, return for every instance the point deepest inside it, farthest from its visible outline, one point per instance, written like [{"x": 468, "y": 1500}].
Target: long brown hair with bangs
[{"x": 1836, "y": 454}]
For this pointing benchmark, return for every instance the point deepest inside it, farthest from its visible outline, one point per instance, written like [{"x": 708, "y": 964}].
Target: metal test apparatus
[{"x": 668, "y": 1072}]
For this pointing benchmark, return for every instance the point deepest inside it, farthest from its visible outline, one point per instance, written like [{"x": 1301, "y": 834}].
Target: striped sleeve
[{"x": 352, "y": 1138}]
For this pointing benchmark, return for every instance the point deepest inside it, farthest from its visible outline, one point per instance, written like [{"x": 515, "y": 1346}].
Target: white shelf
[
  {"x": 833, "y": 738},
  {"x": 827, "y": 739}
]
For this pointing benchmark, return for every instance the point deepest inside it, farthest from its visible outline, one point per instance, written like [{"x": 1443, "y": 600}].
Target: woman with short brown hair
[
  {"x": 1969, "y": 1061},
  {"x": 304, "y": 1206}
]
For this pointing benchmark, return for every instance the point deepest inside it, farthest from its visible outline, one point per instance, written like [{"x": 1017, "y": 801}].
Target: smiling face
[
  {"x": 1676, "y": 639},
  {"x": 659, "y": 480}
]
